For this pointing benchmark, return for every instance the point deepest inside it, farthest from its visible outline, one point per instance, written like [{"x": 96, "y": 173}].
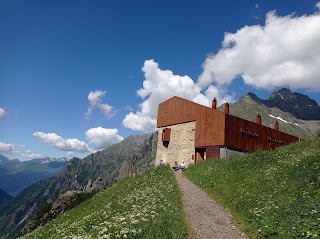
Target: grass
[
  {"x": 147, "y": 206},
  {"x": 271, "y": 194}
]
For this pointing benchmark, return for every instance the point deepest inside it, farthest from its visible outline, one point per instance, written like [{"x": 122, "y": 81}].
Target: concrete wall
[
  {"x": 225, "y": 152},
  {"x": 181, "y": 145}
]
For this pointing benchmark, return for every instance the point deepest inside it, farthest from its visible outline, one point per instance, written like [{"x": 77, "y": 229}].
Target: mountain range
[
  {"x": 301, "y": 106},
  {"x": 135, "y": 154},
  {"x": 15, "y": 175}
]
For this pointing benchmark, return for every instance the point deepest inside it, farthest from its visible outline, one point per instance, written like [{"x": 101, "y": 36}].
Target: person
[
  {"x": 175, "y": 166},
  {"x": 161, "y": 162},
  {"x": 182, "y": 166}
]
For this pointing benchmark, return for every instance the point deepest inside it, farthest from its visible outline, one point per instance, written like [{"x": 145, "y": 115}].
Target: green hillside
[
  {"x": 146, "y": 206},
  {"x": 271, "y": 194}
]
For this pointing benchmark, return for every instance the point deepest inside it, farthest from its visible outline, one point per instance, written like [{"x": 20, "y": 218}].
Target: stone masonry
[{"x": 180, "y": 147}]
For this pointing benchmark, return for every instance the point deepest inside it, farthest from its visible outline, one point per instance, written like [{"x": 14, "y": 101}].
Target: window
[{"x": 166, "y": 134}]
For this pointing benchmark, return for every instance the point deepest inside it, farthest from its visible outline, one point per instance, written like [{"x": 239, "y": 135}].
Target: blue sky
[{"x": 77, "y": 76}]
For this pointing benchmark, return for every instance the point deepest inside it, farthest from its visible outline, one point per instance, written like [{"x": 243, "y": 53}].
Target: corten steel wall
[
  {"x": 215, "y": 128},
  {"x": 210, "y": 123},
  {"x": 267, "y": 139},
  {"x": 210, "y": 127},
  {"x": 213, "y": 152}
]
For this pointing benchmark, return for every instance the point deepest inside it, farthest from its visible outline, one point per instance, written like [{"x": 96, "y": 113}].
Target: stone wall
[{"x": 181, "y": 145}]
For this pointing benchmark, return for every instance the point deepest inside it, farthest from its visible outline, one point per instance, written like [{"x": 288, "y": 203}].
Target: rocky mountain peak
[
  {"x": 252, "y": 96},
  {"x": 301, "y": 106},
  {"x": 282, "y": 94},
  {"x": 3, "y": 159}
]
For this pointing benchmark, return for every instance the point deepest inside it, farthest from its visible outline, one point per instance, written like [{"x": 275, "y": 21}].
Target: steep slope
[
  {"x": 146, "y": 206},
  {"x": 94, "y": 172},
  {"x": 16, "y": 175},
  {"x": 301, "y": 106},
  {"x": 4, "y": 196},
  {"x": 249, "y": 105}
]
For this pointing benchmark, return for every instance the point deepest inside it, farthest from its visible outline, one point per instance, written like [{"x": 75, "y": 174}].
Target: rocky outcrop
[{"x": 65, "y": 202}]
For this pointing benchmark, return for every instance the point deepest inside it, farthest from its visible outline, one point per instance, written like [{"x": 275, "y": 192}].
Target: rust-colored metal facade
[
  {"x": 210, "y": 123},
  {"x": 250, "y": 136},
  {"x": 215, "y": 129}
]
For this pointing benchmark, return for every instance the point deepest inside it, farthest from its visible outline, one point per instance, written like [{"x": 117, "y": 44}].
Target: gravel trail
[{"x": 206, "y": 218}]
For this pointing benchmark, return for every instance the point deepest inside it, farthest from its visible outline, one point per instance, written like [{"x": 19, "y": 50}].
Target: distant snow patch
[
  {"x": 279, "y": 118},
  {"x": 281, "y": 96}
]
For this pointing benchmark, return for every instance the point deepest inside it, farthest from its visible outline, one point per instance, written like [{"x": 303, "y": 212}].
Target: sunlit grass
[
  {"x": 147, "y": 206},
  {"x": 272, "y": 194}
]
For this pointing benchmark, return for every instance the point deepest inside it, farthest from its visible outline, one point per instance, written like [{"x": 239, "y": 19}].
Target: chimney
[
  {"x": 214, "y": 104},
  {"x": 226, "y": 108},
  {"x": 258, "y": 119},
  {"x": 276, "y": 126}
]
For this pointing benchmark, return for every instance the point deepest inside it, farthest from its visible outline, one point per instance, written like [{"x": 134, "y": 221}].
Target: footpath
[{"x": 206, "y": 218}]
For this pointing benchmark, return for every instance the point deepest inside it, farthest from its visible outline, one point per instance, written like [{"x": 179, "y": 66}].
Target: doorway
[{"x": 200, "y": 152}]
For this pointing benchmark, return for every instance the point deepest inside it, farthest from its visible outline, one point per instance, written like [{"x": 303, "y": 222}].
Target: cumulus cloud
[
  {"x": 160, "y": 85},
  {"x": 31, "y": 155},
  {"x": 6, "y": 148},
  {"x": 2, "y": 112},
  {"x": 139, "y": 122},
  {"x": 102, "y": 138},
  {"x": 283, "y": 52},
  {"x": 95, "y": 102},
  {"x": 318, "y": 5},
  {"x": 61, "y": 143}
]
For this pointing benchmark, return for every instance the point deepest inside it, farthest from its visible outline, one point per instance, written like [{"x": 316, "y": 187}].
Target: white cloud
[
  {"x": 95, "y": 102},
  {"x": 101, "y": 138},
  {"x": 283, "y": 52},
  {"x": 61, "y": 143},
  {"x": 318, "y": 5},
  {"x": 160, "y": 85},
  {"x": 140, "y": 122},
  {"x": 19, "y": 150},
  {"x": 2, "y": 112},
  {"x": 70, "y": 154},
  {"x": 31, "y": 155},
  {"x": 6, "y": 148}
]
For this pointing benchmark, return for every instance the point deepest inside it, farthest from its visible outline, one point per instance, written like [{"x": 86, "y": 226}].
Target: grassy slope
[
  {"x": 147, "y": 206},
  {"x": 272, "y": 194}
]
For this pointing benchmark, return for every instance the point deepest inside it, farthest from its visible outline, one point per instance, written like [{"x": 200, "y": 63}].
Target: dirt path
[{"x": 206, "y": 219}]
